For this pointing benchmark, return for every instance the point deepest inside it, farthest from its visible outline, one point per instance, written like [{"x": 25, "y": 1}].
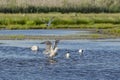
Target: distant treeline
[{"x": 63, "y": 6}]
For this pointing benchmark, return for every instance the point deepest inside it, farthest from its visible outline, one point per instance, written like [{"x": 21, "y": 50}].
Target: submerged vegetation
[
  {"x": 63, "y": 6},
  {"x": 66, "y": 37}
]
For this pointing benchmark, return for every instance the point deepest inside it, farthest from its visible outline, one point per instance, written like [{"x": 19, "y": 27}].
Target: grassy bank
[
  {"x": 61, "y": 21},
  {"x": 100, "y": 23}
]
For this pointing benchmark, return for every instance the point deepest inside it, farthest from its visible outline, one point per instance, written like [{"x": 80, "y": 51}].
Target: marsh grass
[{"x": 71, "y": 20}]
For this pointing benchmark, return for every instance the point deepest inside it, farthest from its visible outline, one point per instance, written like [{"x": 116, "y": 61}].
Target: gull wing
[
  {"x": 55, "y": 44},
  {"x": 50, "y": 21},
  {"x": 48, "y": 46}
]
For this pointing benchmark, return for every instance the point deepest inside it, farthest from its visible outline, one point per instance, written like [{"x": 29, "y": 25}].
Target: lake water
[
  {"x": 100, "y": 60},
  {"x": 42, "y": 32}
]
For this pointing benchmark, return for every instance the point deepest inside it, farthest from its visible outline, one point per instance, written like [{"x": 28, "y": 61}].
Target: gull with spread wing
[{"x": 50, "y": 50}]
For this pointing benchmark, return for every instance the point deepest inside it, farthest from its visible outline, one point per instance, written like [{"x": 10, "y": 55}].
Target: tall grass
[{"x": 64, "y": 6}]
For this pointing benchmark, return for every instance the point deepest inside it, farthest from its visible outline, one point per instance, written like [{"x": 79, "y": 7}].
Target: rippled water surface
[{"x": 100, "y": 60}]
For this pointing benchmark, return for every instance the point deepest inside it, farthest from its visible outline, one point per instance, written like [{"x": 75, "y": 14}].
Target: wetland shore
[{"x": 102, "y": 25}]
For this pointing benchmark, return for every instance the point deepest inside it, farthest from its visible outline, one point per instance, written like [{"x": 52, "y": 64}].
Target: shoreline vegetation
[
  {"x": 60, "y": 21},
  {"x": 100, "y": 24}
]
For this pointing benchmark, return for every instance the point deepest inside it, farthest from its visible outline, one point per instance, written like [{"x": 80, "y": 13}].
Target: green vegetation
[
  {"x": 64, "y": 6},
  {"x": 61, "y": 21}
]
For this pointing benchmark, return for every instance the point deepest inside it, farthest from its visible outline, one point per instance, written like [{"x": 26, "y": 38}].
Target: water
[
  {"x": 42, "y": 32},
  {"x": 100, "y": 60}
]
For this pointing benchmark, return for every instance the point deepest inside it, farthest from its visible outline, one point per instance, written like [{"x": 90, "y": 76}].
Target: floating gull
[
  {"x": 80, "y": 51},
  {"x": 34, "y": 48},
  {"x": 67, "y": 55}
]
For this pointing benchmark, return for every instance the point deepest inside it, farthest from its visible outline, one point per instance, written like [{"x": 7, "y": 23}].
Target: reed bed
[{"x": 64, "y": 6}]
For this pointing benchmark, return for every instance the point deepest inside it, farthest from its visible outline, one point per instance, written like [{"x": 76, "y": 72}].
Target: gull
[
  {"x": 67, "y": 55},
  {"x": 34, "y": 48},
  {"x": 50, "y": 50},
  {"x": 49, "y": 22},
  {"x": 80, "y": 51}
]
